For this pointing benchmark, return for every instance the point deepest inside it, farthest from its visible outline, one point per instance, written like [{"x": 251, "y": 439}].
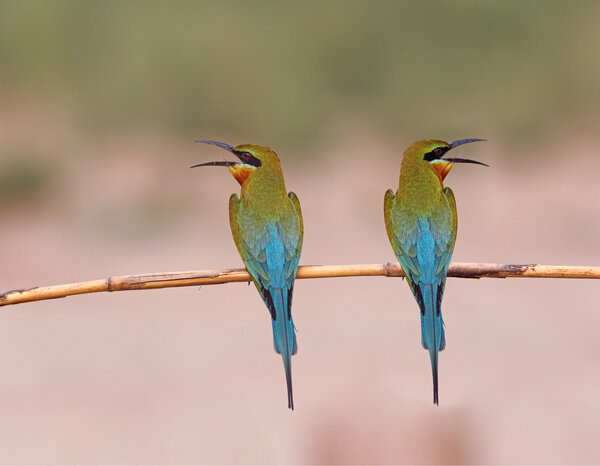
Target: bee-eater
[
  {"x": 267, "y": 228},
  {"x": 420, "y": 219}
]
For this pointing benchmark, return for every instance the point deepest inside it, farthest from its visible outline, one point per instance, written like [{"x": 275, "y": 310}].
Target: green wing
[
  {"x": 446, "y": 233},
  {"x": 296, "y": 203},
  {"x": 401, "y": 233},
  {"x": 388, "y": 202},
  {"x": 407, "y": 229},
  {"x": 254, "y": 236}
]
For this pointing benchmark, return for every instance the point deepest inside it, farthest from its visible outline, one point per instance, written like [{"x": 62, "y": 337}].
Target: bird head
[
  {"x": 433, "y": 151},
  {"x": 252, "y": 158}
]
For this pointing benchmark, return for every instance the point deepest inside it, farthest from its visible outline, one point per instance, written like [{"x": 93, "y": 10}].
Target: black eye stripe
[
  {"x": 436, "y": 154},
  {"x": 248, "y": 158}
]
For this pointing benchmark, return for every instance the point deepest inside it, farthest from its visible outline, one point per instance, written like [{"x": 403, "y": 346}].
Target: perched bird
[
  {"x": 266, "y": 223},
  {"x": 420, "y": 219}
]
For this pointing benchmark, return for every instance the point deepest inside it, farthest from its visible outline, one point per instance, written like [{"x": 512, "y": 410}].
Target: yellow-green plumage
[
  {"x": 421, "y": 222},
  {"x": 267, "y": 228}
]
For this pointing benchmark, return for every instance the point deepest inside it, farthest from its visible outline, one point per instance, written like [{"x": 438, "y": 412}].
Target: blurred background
[{"x": 100, "y": 103}]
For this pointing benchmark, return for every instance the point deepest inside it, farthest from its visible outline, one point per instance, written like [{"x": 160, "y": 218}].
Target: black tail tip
[{"x": 290, "y": 390}]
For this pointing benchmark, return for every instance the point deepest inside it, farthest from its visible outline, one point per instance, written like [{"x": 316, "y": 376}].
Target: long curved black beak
[
  {"x": 229, "y": 148},
  {"x": 460, "y": 142},
  {"x": 454, "y": 144},
  {"x": 224, "y": 163},
  {"x": 222, "y": 145}
]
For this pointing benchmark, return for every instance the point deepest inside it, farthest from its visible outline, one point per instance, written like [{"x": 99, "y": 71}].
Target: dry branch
[{"x": 215, "y": 277}]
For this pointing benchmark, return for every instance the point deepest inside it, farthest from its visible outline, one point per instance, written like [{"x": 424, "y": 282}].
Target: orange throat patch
[
  {"x": 241, "y": 173},
  {"x": 442, "y": 168}
]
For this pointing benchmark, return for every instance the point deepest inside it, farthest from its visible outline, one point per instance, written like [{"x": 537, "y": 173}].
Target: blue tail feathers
[
  {"x": 432, "y": 329},
  {"x": 284, "y": 336}
]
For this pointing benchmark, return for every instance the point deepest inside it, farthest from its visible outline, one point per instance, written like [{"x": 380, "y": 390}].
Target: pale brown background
[{"x": 190, "y": 376}]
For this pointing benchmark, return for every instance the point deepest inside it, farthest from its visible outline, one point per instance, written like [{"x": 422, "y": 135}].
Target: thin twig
[{"x": 215, "y": 277}]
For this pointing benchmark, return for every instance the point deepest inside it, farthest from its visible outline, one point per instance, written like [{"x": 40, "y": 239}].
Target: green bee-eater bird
[
  {"x": 420, "y": 219},
  {"x": 267, "y": 228}
]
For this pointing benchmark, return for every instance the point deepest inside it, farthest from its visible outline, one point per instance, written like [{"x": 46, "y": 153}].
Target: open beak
[
  {"x": 460, "y": 142},
  {"x": 224, "y": 163}
]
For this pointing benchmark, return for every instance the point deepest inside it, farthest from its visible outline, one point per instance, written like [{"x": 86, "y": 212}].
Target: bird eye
[
  {"x": 436, "y": 153},
  {"x": 248, "y": 158}
]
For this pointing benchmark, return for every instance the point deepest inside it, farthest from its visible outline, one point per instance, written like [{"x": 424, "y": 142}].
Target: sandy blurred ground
[{"x": 190, "y": 376}]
